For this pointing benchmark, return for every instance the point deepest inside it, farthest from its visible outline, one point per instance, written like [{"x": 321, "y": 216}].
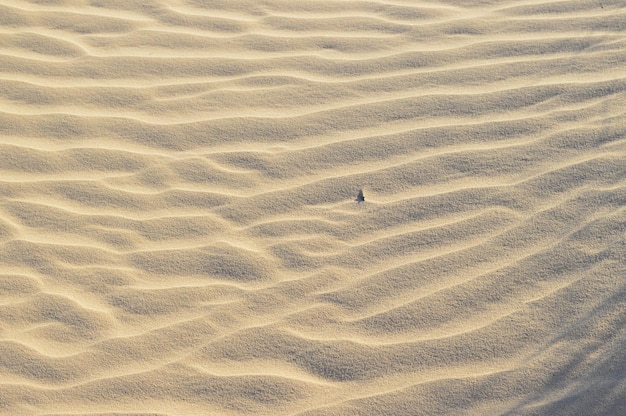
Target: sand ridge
[{"x": 178, "y": 228}]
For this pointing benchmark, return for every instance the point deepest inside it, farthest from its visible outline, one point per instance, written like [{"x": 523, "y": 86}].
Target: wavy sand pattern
[{"x": 177, "y": 226}]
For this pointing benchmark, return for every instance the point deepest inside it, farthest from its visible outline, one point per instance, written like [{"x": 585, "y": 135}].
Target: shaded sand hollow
[{"x": 178, "y": 228}]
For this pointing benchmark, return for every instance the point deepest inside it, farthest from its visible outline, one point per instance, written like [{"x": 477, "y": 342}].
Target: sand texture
[{"x": 178, "y": 230}]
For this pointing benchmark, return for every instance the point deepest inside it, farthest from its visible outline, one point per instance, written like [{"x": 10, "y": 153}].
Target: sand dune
[{"x": 178, "y": 232}]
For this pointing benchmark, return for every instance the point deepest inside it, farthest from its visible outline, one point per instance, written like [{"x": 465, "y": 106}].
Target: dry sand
[{"x": 178, "y": 228}]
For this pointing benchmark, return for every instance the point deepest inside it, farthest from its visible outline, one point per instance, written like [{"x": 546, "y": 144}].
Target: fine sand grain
[{"x": 178, "y": 228}]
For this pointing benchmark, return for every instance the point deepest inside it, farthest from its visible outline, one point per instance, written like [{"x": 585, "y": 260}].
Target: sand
[{"x": 178, "y": 228}]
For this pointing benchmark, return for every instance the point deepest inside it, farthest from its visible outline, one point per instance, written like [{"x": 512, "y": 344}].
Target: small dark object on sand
[{"x": 360, "y": 198}]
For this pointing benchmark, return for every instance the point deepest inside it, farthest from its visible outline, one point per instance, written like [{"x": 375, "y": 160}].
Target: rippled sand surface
[{"x": 178, "y": 231}]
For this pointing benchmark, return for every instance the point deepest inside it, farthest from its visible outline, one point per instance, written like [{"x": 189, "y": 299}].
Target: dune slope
[{"x": 178, "y": 231}]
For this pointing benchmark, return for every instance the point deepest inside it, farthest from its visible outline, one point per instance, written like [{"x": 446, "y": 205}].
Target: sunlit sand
[{"x": 182, "y": 232}]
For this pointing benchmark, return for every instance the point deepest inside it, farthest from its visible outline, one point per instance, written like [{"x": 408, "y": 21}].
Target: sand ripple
[{"x": 178, "y": 233}]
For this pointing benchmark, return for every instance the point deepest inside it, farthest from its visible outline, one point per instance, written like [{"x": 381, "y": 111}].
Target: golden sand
[{"x": 178, "y": 228}]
